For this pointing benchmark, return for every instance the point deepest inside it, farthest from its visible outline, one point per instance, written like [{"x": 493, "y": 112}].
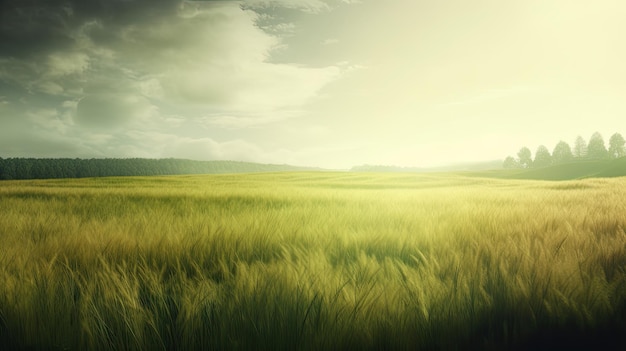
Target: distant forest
[
  {"x": 562, "y": 153},
  {"x": 45, "y": 168}
]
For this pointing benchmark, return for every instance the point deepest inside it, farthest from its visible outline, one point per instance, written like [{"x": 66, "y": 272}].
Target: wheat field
[{"x": 311, "y": 261}]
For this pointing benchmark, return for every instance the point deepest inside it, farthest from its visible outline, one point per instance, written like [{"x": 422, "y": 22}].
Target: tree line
[
  {"x": 562, "y": 153},
  {"x": 45, "y": 168}
]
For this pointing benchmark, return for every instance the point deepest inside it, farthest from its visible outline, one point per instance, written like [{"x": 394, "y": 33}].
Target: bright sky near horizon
[{"x": 328, "y": 83}]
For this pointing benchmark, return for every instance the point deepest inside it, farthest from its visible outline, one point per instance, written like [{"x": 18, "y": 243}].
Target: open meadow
[{"x": 312, "y": 260}]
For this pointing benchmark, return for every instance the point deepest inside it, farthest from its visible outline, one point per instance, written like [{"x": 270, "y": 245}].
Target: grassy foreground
[{"x": 312, "y": 261}]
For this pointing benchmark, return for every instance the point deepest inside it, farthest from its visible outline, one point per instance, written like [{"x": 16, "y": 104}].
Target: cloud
[
  {"x": 283, "y": 29},
  {"x": 48, "y": 120},
  {"x": 209, "y": 149},
  {"x": 254, "y": 87},
  {"x": 50, "y": 88},
  {"x": 312, "y": 6},
  {"x": 216, "y": 56},
  {"x": 64, "y": 63},
  {"x": 111, "y": 110},
  {"x": 247, "y": 121}
]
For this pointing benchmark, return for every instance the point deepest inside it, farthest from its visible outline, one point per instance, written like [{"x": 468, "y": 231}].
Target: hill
[
  {"x": 466, "y": 166},
  {"x": 566, "y": 171},
  {"x": 46, "y": 168}
]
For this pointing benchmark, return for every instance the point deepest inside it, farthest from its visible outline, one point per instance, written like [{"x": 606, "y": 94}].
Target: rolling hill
[{"x": 565, "y": 171}]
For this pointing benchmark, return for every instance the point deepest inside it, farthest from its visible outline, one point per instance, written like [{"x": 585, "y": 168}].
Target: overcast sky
[{"x": 329, "y": 83}]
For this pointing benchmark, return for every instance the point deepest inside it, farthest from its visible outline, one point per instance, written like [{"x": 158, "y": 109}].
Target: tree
[
  {"x": 562, "y": 153},
  {"x": 616, "y": 146},
  {"x": 596, "y": 149},
  {"x": 525, "y": 158},
  {"x": 542, "y": 157},
  {"x": 510, "y": 162},
  {"x": 580, "y": 147}
]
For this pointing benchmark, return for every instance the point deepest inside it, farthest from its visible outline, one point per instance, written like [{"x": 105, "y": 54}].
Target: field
[{"x": 285, "y": 261}]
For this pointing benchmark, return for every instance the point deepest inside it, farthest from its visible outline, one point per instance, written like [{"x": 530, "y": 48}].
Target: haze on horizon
[{"x": 327, "y": 83}]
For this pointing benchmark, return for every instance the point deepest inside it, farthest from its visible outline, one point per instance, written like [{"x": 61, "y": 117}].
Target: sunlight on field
[{"x": 309, "y": 261}]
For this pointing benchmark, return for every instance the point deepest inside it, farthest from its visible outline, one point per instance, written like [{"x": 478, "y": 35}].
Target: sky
[{"x": 323, "y": 83}]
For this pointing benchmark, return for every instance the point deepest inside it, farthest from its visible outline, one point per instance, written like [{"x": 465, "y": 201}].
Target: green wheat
[{"x": 308, "y": 261}]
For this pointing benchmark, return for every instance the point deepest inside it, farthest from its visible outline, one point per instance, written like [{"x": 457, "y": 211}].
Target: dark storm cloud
[
  {"x": 32, "y": 27},
  {"x": 28, "y": 27}
]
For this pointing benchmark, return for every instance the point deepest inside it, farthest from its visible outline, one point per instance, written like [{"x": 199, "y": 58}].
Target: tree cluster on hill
[
  {"x": 563, "y": 153},
  {"x": 42, "y": 168}
]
